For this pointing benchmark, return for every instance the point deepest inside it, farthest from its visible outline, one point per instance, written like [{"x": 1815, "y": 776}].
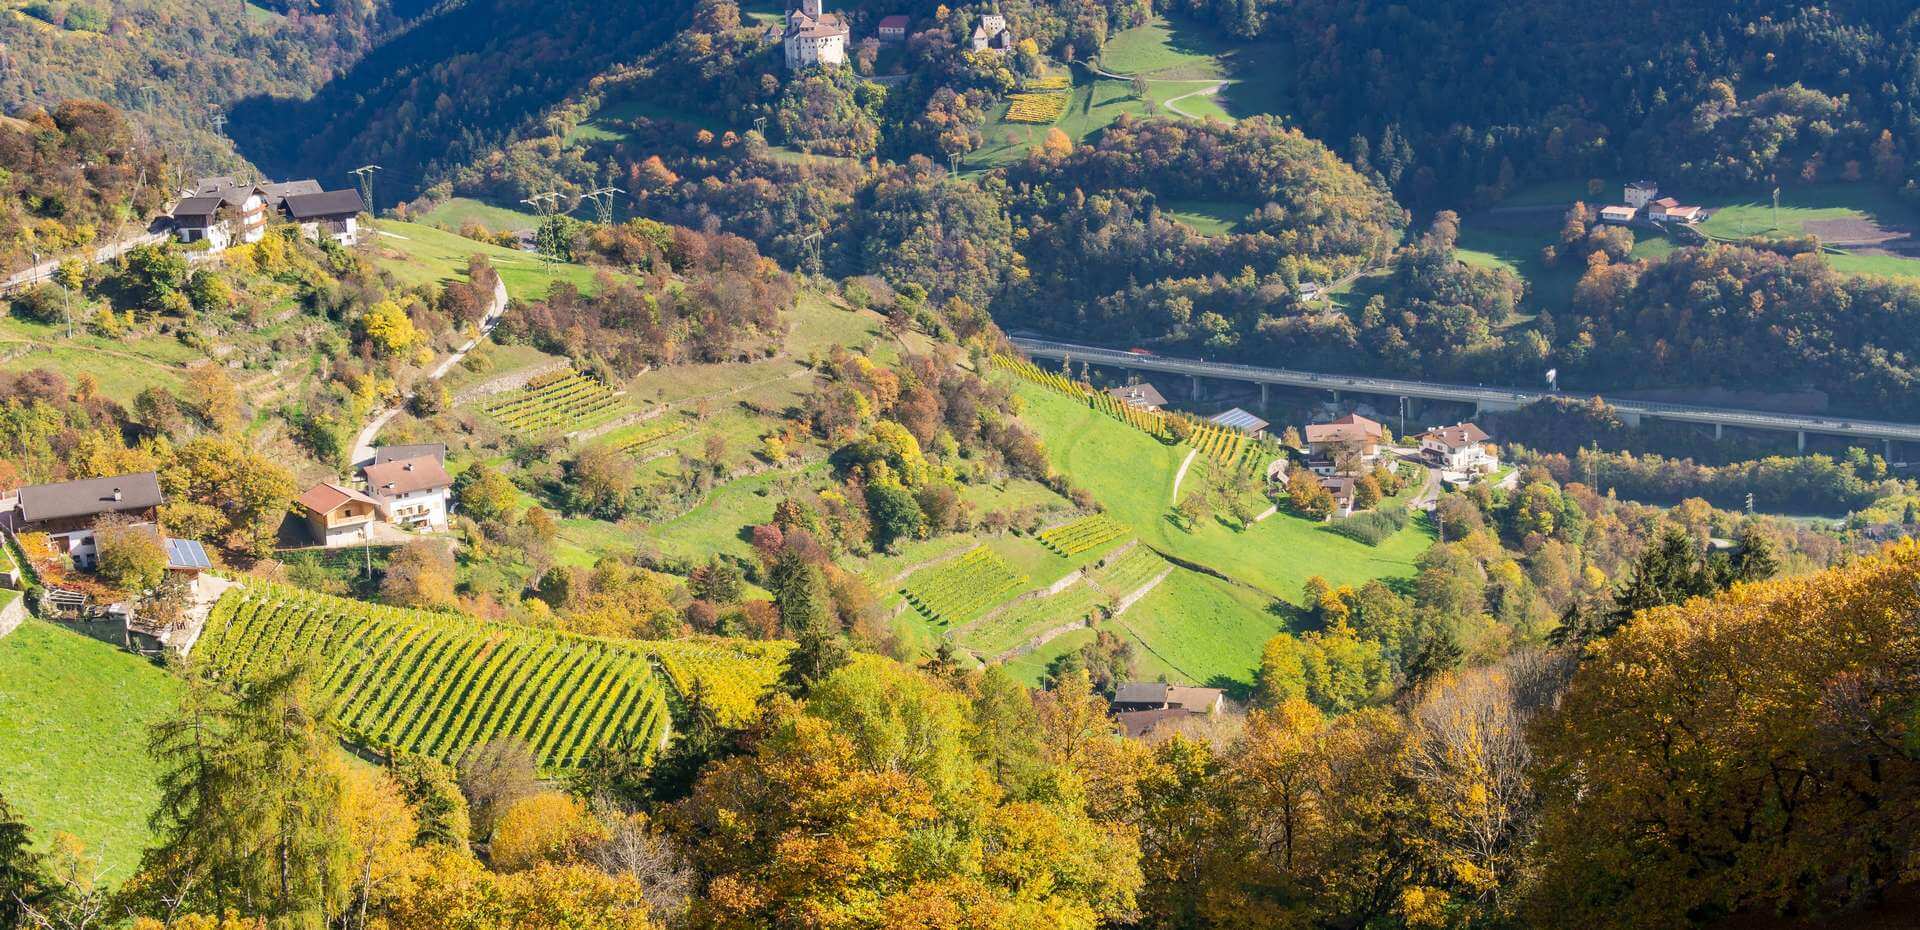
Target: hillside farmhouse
[
  {"x": 1461, "y": 447},
  {"x": 1142, "y": 395},
  {"x": 67, "y": 511},
  {"x": 1139, "y": 706},
  {"x": 1348, "y": 445},
  {"x": 412, "y": 493}
]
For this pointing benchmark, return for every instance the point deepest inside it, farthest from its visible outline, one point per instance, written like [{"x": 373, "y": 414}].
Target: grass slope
[
  {"x": 1275, "y": 556},
  {"x": 420, "y": 254},
  {"x": 73, "y": 717}
]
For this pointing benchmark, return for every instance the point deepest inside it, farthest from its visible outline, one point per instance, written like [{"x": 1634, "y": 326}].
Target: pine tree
[
  {"x": 24, "y": 884},
  {"x": 819, "y": 651}
]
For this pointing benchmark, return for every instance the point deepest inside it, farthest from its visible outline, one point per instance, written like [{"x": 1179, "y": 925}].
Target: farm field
[
  {"x": 561, "y": 402},
  {"x": 438, "y": 684},
  {"x": 1180, "y": 61},
  {"x": 454, "y": 212},
  {"x": 1275, "y": 556},
  {"x": 73, "y": 713},
  {"x": 1209, "y": 217},
  {"x": 419, "y": 254}
]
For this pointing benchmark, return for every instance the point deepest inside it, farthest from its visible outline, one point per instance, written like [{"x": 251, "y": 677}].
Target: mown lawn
[
  {"x": 1197, "y": 628},
  {"x": 73, "y": 719},
  {"x": 455, "y": 212}
]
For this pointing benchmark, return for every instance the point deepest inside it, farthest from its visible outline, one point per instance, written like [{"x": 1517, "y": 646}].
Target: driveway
[{"x": 363, "y": 441}]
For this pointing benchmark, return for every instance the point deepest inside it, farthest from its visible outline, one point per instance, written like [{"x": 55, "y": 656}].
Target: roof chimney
[
  {"x": 116, "y": 493},
  {"x": 407, "y": 467}
]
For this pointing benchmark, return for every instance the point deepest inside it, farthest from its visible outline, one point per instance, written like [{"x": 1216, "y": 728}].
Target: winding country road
[{"x": 363, "y": 441}]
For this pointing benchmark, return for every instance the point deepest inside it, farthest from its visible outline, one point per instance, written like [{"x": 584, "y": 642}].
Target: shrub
[{"x": 1372, "y": 527}]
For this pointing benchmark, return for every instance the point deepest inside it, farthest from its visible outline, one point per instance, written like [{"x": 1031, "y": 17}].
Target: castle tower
[{"x": 813, "y": 8}]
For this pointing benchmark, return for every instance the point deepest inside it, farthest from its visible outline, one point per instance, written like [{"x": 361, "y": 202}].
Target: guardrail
[{"x": 1475, "y": 394}]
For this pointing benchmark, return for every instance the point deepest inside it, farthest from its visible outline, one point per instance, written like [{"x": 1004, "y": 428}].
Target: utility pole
[
  {"x": 366, "y": 185},
  {"x": 1776, "y": 206},
  {"x": 602, "y": 198},
  {"x": 548, "y": 204},
  {"x": 217, "y": 120},
  {"x": 812, "y": 242}
]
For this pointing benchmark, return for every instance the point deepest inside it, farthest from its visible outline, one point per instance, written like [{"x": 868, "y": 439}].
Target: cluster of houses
[
  {"x": 813, "y": 36},
  {"x": 404, "y": 486},
  {"x": 1341, "y": 450},
  {"x": 1644, "y": 203},
  {"x": 223, "y": 211}
]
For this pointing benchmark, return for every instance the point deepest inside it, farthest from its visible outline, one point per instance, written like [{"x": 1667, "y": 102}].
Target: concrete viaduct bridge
[{"x": 1483, "y": 398}]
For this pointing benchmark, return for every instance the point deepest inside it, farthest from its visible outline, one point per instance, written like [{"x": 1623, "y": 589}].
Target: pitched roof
[
  {"x": 896, "y": 21},
  {"x": 231, "y": 192},
  {"x": 284, "y": 189},
  {"x": 1138, "y": 723},
  {"x": 1666, "y": 202},
  {"x": 1194, "y": 698},
  {"x": 802, "y": 26},
  {"x": 385, "y": 454},
  {"x": 186, "y": 554},
  {"x": 1350, "y": 428},
  {"x": 196, "y": 208},
  {"x": 89, "y": 496},
  {"x": 1141, "y": 692},
  {"x": 325, "y": 496},
  {"x": 1238, "y": 419},
  {"x": 1140, "y": 395},
  {"x": 392, "y": 479},
  {"x": 1457, "y": 435},
  {"x": 322, "y": 205}
]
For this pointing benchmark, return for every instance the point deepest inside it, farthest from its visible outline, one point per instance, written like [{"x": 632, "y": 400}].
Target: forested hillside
[
  {"x": 1453, "y": 101},
  {"x": 176, "y": 65},
  {"x": 448, "y": 88}
]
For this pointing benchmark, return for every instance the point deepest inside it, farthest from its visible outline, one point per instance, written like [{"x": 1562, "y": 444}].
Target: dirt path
[
  {"x": 1181, "y": 476},
  {"x": 1172, "y": 103},
  {"x": 363, "y": 442}
]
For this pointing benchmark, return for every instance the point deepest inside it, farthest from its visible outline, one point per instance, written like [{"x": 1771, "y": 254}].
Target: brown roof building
[
  {"x": 66, "y": 511},
  {"x": 337, "y": 515},
  {"x": 1142, "y": 395}
]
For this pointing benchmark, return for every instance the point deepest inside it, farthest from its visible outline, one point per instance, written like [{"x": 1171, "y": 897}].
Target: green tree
[
  {"x": 250, "y": 807},
  {"x": 432, "y": 790},
  {"x": 24, "y": 883},
  {"x": 129, "y": 557},
  {"x": 1005, "y": 733}
]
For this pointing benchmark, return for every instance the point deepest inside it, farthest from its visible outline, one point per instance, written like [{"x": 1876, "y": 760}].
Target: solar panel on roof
[{"x": 186, "y": 553}]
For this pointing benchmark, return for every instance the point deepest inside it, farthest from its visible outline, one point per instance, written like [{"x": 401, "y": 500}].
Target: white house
[
  {"x": 334, "y": 214},
  {"x": 1618, "y": 215},
  {"x": 1641, "y": 193},
  {"x": 814, "y": 36},
  {"x": 1460, "y": 447},
  {"x": 411, "y": 492},
  {"x": 992, "y": 34}
]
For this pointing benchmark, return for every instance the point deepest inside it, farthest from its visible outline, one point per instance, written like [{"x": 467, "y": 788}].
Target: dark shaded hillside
[{"x": 448, "y": 89}]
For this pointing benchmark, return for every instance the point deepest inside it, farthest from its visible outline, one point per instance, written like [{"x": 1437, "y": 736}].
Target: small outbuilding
[
  {"x": 892, "y": 28},
  {"x": 338, "y": 516}
]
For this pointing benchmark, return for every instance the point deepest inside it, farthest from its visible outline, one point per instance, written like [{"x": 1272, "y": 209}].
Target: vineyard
[
  {"x": 1102, "y": 588},
  {"x": 1082, "y": 535},
  {"x": 1040, "y": 108},
  {"x": 652, "y": 433},
  {"x": 731, "y": 675},
  {"x": 437, "y": 684},
  {"x": 565, "y": 400},
  {"x": 1225, "y": 445},
  {"x": 963, "y": 588}
]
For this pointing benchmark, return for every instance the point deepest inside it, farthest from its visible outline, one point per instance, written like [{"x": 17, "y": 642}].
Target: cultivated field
[{"x": 438, "y": 684}]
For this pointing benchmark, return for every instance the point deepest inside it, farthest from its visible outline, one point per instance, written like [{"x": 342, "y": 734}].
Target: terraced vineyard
[
  {"x": 565, "y": 401},
  {"x": 1082, "y": 535},
  {"x": 1219, "y": 443},
  {"x": 651, "y": 433},
  {"x": 731, "y": 674},
  {"x": 962, "y": 589},
  {"x": 1102, "y": 587},
  {"x": 438, "y": 684}
]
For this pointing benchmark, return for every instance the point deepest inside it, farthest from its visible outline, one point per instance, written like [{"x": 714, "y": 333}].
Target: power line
[
  {"x": 366, "y": 185},
  {"x": 602, "y": 198}
]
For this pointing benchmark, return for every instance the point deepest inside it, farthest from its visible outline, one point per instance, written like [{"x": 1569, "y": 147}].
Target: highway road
[{"x": 1484, "y": 397}]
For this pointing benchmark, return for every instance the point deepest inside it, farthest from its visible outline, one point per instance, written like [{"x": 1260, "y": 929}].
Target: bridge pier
[
  {"x": 1801, "y": 436},
  {"x": 1263, "y": 396},
  {"x": 1631, "y": 419},
  {"x": 1196, "y": 386},
  {"x": 1718, "y": 429}
]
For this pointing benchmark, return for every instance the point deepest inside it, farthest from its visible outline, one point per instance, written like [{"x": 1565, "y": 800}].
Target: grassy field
[
  {"x": 1275, "y": 556},
  {"x": 453, "y": 213},
  {"x": 1179, "y": 60},
  {"x": 1209, "y": 217},
  {"x": 73, "y": 717},
  {"x": 421, "y": 254}
]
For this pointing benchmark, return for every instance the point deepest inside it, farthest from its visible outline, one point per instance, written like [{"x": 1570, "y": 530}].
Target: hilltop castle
[{"x": 814, "y": 36}]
